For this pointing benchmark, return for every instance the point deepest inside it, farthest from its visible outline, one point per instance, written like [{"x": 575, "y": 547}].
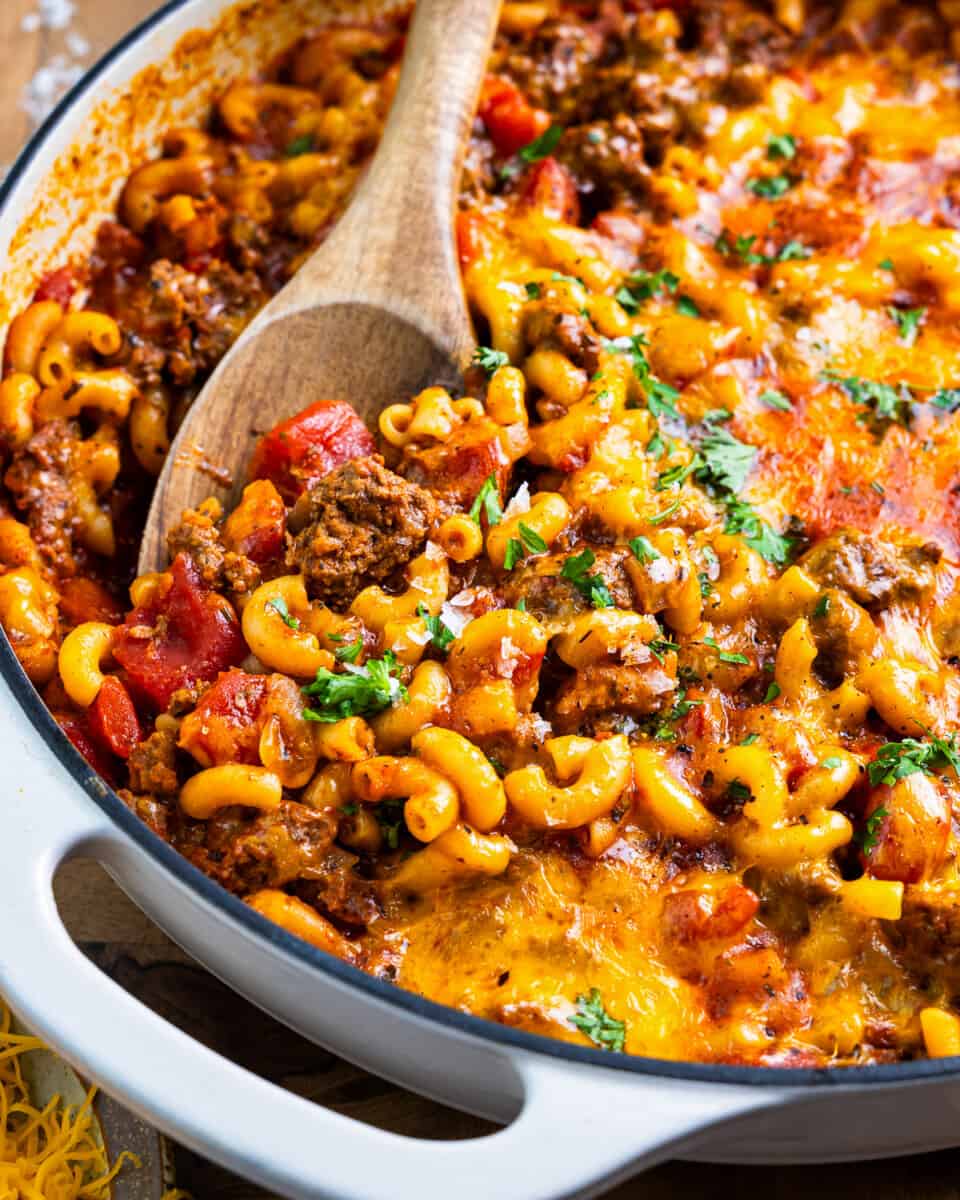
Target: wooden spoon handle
[{"x": 394, "y": 247}]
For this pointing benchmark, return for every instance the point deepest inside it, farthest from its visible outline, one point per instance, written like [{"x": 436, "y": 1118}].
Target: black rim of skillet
[{"x": 193, "y": 878}]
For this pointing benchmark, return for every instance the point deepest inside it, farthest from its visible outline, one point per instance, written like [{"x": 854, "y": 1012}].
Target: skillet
[{"x": 576, "y": 1119}]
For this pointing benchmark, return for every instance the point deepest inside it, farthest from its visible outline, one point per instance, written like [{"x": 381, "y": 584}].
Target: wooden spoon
[{"x": 378, "y": 312}]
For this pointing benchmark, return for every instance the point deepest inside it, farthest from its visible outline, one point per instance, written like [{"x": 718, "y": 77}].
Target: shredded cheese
[{"x": 51, "y": 1153}]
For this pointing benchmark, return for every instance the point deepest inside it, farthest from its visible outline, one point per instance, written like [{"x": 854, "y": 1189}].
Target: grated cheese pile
[{"x": 50, "y": 1153}]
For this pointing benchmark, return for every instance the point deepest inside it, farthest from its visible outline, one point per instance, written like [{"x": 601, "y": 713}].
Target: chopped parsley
[
  {"x": 726, "y": 460},
  {"x": 541, "y": 147},
  {"x": 644, "y": 551},
  {"x": 770, "y": 187},
  {"x": 659, "y": 647},
  {"x": 532, "y": 290},
  {"x": 871, "y": 831},
  {"x": 742, "y": 247},
  {"x": 356, "y": 692},
  {"x": 644, "y": 285},
  {"x": 592, "y": 587},
  {"x": 661, "y": 728},
  {"x": 594, "y": 1022},
  {"x": 782, "y": 146},
  {"x": 832, "y": 762},
  {"x": 947, "y": 399},
  {"x": 821, "y": 608},
  {"x": 488, "y": 499},
  {"x": 908, "y": 322},
  {"x": 529, "y": 542},
  {"x": 687, "y": 307},
  {"x": 490, "y": 360},
  {"x": 751, "y": 739},
  {"x": 300, "y": 145},
  {"x": 661, "y": 397},
  {"x": 775, "y": 547},
  {"x": 441, "y": 635},
  {"x": 678, "y": 475},
  {"x": 888, "y": 404},
  {"x": 886, "y": 265},
  {"x": 773, "y": 693},
  {"x": 898, "y": 760},
  {"x": 350, "y": 652},
  {"x": 777, "y": 400},
  {"x": 738, "y": 792},
  {"x": 726, "y": 656},
  {"x": 665, "y": 515},
  {"x": 279, "y": 606}
]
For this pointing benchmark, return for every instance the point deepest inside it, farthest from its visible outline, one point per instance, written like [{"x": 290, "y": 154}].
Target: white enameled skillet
[{"x": 576, "y": 1119}]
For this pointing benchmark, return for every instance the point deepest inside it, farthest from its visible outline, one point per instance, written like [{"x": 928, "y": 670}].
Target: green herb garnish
[
  {"x": 770, "y": 187},
  {"x": 488, "y": 499},
  {"x": 356, "y": 692},
  {"x": 593, "y": 1020},
  {"x": 777, "y": 400},
  {"x": 871, "y": 831},
  {"x": 775, "y": 547},
  {"x": 727, "y": 461},
  {"x": 592, "y": 587},
  {"x": 898, "y": 760},
  {"x": 644, "y": 285},
  {"x": 300, "y": 145},
  {"x": 726, "y": 656},
  {"x": 644, "y": 551},
  {"x": 441, "y": 635},
  {"x": 490, "y": 360},
  {"x": 279, "y": 606},
  {"x": 908, "y": 322},
  {"x": 782, "y": 146}
]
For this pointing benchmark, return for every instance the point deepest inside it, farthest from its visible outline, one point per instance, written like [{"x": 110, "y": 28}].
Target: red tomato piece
[
  {"x": 510, "y": 118},
  {"x": 548, "y": 186},
  {"x": 184, "y": 637},
  {"x": 113, "y": 719},
  {"x": 84, "y": 599},
  {"x": 225, "y": 725},
  {"x": 75, "y": 726},
  {"x": 256, "y": 526},
  {"x": 299, "y": 451},
  {"x": 474, "y": 241},
  {"x": 57, "y": 285}
]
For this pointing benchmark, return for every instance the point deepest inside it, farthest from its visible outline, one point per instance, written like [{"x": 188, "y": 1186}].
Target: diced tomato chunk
[
  {"x": 510, "y": 118},
  {"x": 57, "y": 285},
  {"x": 185, "y": 636},
  {"x": 298, "y": 452},
  {"x": 83, "y": 599},
  {"x": 75, "y": 726},
  {"x": 113, "y": 718},
  {"x": 548, "y": 186},
  {"x": 225, "y": 725},
  {"x": 474, "y": 240},
  {"x": 456, "y": 469},
  {"x": 256, "y": 526}
]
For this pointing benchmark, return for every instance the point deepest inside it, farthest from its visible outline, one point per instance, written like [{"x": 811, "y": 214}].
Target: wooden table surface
[{"x": 142, "y": 960}]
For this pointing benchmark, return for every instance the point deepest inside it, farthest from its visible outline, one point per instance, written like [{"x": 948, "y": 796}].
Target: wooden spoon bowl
[{"x": 378, "y": 312}]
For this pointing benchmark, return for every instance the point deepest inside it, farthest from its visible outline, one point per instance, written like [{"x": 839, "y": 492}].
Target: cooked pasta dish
[{"x": 615, "y": 699}]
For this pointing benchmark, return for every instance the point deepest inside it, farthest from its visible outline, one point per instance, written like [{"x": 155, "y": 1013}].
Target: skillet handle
[{"x": 579, "y": 1126}]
